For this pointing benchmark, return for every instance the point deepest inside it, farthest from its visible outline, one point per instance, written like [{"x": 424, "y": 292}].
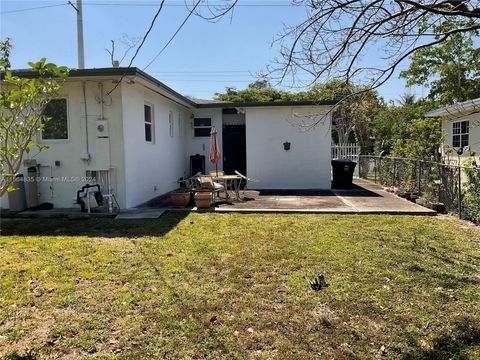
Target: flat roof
[{"x": 199, "y": 104}]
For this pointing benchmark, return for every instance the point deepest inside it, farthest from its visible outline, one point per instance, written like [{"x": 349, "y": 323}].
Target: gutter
[{"x": 456, "y": 110}]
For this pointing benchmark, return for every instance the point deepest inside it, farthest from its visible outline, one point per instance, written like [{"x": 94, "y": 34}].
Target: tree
[
  {"x": 353, "y": 115},
  {"x": 451, "y": 69},
  {"x": 403, "y": 131},
  {"x": 260, "y": 84},
  {"x": 259, "y": 90},
  {"x": 22, "y": 103}
]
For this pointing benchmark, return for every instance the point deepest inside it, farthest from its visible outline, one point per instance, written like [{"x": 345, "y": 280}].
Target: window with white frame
[
  {"x": 149, "y": 123},
  {"x": 460, "y": 133},
  {"x": 202, "y": 127},
  {"x": 56, "y": 126},
  {"x": 170, "y": 122}
]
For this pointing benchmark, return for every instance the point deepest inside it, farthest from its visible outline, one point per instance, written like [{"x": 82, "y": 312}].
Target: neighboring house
[
  {"x": 461, "y": 124},
  {"x": 137, "y": 142}
]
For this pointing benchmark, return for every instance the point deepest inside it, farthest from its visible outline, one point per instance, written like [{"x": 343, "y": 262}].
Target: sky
[{"x": 203, "y": 59}]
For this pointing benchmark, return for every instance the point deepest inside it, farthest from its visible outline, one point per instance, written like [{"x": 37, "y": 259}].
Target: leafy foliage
[
  {"x": 403, "y": 131},
  {"x": 471, "y": 190},
  {"x": 450, "y": 69},
  {"x": 255, "y": 93},
  {"x": 22, "y": 103}
]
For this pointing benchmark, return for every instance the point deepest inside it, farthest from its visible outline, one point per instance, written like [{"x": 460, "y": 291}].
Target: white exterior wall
[
  {"x": 70, "y": 175},
  {"x": 152, "y": 169},
  {"x": 474, "y": 134},
  {"x": 305, "y": 166},
  {"x": 201, "y": 145}
]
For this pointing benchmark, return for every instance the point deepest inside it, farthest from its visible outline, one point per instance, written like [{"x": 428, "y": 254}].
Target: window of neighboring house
[
  {"x": 56, "y": 128},
  {"x": 170, "y": 122},
  {"x": 202, "y": 127},
  {"x": 460, "y": 133},
  {"x": 148, "y": 119}
]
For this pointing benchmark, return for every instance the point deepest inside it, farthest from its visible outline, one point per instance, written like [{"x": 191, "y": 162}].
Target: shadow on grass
[
  {"x": 453, "y": 344},
  {"x": 108, "y": 228}
]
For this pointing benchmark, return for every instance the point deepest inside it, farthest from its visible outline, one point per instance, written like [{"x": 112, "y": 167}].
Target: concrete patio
[{"x": 364, "y": 198}]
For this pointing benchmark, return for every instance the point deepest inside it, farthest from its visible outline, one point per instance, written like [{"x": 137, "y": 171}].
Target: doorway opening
[{"x": 234, "y": 141}]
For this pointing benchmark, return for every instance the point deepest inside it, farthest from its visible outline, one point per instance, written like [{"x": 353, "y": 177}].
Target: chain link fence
[{"x": 430, "y": 183}]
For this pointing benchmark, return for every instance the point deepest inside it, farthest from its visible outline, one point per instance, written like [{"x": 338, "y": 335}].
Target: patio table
[{"x": 234, "y": 180}]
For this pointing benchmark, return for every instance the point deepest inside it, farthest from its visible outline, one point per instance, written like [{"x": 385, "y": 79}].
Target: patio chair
[
  {"x": 247, "y": 180},
  {"x": 191, "y": 183},
  {"x": 207, "y": 183}
]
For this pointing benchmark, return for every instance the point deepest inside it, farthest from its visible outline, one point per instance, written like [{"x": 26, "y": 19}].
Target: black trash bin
[{"x": 343, "y": 173}]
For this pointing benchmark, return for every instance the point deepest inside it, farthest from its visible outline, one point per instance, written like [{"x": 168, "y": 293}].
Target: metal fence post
[
  {"x": 394, "y": 172},
  {"x": 375, "y": 168},
  {"x": 419, "y": 164},
  {"x": 459, "y": 192}
]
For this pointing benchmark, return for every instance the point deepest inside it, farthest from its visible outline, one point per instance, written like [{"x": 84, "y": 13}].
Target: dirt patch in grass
[{"x": 238, "y": 286}]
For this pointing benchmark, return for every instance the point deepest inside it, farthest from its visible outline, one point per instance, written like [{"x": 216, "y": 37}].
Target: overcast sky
[{"x": 203, "y": 59}]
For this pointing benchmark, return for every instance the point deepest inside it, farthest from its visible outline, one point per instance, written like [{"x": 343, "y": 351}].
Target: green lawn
[{"x": 237, "y": 286}]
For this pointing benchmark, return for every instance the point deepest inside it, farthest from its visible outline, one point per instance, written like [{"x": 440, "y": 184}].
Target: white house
[
  {"x": 461, "y": 124},
  {"x": 138, "y": 141}
]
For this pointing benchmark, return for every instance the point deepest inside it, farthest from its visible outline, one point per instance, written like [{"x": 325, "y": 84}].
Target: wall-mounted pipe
[
  {"x": 87, "y": 150},
  {"x": 102, "y": 102}
]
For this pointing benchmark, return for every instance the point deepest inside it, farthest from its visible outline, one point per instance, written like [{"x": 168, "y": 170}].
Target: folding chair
[{"x": 247, "y": 180}]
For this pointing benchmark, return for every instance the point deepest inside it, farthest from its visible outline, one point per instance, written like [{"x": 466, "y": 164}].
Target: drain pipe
[
  {"x": 87, "y": 152},
  {"x": 100, "y": 87}
]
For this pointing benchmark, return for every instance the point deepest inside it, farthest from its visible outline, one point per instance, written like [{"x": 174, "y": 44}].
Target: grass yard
[{"x": 237, "y": 286}]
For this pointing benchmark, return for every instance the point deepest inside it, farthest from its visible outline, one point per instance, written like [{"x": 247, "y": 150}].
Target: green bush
[{"x": 471, "y": 191}]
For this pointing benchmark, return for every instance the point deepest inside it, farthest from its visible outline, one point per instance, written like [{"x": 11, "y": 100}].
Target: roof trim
[
  {"x": 224, "y": 105},
  {"x": 120, "y": 71},
  {"x": 457, "y": 110},
  {"x": 133, "y": 71}
]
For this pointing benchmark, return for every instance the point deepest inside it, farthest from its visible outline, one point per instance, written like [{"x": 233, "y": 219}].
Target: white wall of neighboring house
[
  {"x": 201, "y": 145},
  {"x": 152, "y": 169},
  {"x": 59, "y": 183},
  {"x": 474, "y": 134},
  {"x": 305, "y": 166}
]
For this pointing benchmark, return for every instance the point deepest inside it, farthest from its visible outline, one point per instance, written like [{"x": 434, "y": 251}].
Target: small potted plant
[
  {"x": 180, "y": 198},
  {"x": 203, "y": 199}
]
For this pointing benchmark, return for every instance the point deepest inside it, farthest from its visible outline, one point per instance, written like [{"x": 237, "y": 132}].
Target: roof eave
[
  {"x": 133, "y": 71},
  {"x": 226, "y": 105},
  {"x": 464, "y": 108}
]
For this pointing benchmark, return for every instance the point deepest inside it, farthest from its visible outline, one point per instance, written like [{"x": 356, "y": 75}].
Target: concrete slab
[
  {"x": 143, "y": 213},
  {"x": 364, "y": 198}
]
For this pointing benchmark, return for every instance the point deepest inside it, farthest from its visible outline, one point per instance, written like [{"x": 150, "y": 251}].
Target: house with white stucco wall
[
  {"x": 461, "y": 126},
  {"x": 139, "y": 139}
]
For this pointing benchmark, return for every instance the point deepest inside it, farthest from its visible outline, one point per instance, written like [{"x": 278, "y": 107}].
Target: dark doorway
[{"x": 234, "y": 149}]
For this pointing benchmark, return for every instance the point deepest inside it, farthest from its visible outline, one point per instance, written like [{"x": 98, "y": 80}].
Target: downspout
[
  {"x": 86, "y": 156},
  {"x": 100, "y": 87}
]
